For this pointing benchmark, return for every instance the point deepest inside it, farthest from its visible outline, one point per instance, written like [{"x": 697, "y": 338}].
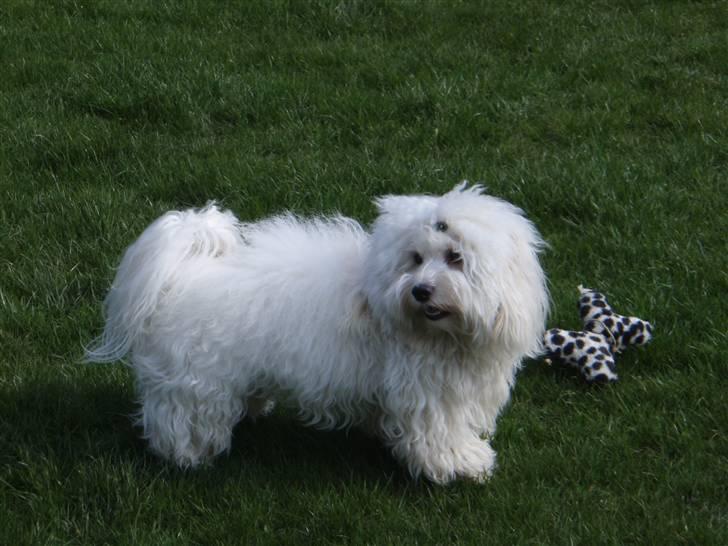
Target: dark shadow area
[
  {"x": 75, "y": 419},
  {"x": 66, "y": 422}
]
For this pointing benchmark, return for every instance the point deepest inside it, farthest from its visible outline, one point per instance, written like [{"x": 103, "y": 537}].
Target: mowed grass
[{"x": 605, "y": 121}]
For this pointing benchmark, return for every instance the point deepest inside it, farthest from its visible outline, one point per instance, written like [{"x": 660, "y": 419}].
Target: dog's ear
[{"x": 524, "y": 300}]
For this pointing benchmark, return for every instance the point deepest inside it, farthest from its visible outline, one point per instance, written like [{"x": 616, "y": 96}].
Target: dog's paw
[
  {"x": 471, "y": 460},
  {"x": 476, "y": 461}
]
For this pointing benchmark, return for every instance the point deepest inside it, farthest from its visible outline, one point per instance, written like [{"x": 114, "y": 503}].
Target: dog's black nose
[{"x": 422, "y": 292}]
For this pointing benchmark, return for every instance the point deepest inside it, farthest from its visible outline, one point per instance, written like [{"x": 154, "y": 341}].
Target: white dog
[{"x": 414, "y": 331}]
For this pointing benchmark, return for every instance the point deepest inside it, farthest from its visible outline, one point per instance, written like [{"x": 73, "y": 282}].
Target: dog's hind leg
[{"x": 189, "y": 424}]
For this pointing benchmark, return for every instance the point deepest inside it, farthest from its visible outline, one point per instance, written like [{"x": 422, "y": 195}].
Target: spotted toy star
[{"x": 592, "y": 351}]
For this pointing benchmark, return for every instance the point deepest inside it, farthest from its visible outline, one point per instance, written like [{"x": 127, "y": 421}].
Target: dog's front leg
[{"x": 443, "y": 447}]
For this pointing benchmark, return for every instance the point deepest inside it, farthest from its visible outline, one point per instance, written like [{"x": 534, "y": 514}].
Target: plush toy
[
  {"x": 600, "y": 318},
  {"x": 605, "y": 334}
]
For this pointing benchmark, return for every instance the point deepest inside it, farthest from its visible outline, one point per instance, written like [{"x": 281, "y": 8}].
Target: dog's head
[{"x": 464, "y": 264}]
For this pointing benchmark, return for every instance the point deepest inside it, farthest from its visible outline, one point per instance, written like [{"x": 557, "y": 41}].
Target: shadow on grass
[
  {"x": 69, "y": 418},
  {"x": 66, "y": 422}
]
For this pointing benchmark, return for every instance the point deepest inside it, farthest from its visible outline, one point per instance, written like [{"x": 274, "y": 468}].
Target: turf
[{"x": 606, "y": 121}]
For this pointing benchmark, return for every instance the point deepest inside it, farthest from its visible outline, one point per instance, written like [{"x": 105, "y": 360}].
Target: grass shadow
[{"x": 63, "y": 421}]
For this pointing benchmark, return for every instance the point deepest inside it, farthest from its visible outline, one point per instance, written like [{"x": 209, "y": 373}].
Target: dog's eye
[
  {"x": 454, "y": 259},
  {"x": 417, "y": 258}
]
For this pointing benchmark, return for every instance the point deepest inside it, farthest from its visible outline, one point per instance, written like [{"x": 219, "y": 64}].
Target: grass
[{"x": 605, "y": 121}]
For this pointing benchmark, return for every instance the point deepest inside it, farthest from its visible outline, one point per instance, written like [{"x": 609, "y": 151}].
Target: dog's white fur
[{"x": 219, "y": 318}]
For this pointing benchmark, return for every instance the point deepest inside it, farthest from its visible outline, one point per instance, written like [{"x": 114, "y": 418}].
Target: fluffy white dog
[{"x": 414, "y": 330}]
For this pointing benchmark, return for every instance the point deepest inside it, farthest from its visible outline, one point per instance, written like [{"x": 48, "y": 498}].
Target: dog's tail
[{"x": 149, "y": 267}]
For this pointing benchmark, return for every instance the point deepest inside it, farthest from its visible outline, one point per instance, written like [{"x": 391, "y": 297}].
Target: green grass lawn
[{"x": 606, "y": 121}]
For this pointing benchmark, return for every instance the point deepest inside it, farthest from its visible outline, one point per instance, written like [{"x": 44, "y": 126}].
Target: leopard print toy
[
  {"x": 600, "y": 318},
  {"x": 605, "y": 334}
]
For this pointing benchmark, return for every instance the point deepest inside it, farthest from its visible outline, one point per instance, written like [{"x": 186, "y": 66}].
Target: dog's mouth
[{"x": 435, "y": 313}]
